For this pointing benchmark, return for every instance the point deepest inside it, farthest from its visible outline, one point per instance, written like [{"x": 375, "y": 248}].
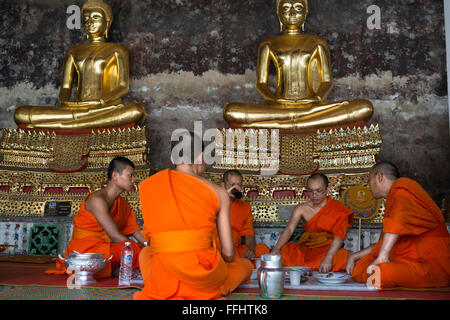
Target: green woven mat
[
  {"x": 59, "y": 293},
  {"x": 254, "y": 296}
]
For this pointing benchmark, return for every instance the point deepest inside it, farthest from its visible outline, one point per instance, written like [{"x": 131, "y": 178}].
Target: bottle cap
[{"x": 128, "y": 243}]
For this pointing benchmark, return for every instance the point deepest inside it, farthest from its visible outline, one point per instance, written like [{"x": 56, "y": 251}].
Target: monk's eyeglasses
[{"x": 317, "y": 192}]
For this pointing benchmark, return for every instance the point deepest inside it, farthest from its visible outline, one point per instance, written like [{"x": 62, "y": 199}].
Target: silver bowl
[{"x": 85, "y": 266}]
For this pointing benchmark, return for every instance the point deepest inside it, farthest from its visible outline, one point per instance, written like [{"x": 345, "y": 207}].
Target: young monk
[
  {"x": 325, "y": 223},
  {"x": 181, "y": 210},
  {"x": 241, "y": 219},
  {"x": 105, "y": 221},
  {"x": 414, "y": 248}
]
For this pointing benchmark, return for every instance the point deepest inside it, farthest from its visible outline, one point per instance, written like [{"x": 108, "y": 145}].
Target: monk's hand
[
  {"x": 233, "y": 189},
  {"x": 380, "y": 259},
  {"x": 350, "y": 265},
  {"x": 250, "y": 254},
  {"x": 326, "y": 264},
  {"x": 275, "y": 251}
]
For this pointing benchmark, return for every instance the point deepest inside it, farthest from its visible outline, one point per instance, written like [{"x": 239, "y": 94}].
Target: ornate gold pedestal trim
[
  {"x": 41, "y": 150},
  {"x": 29, "y": 188},
  {"x": 333, "y": 150}
]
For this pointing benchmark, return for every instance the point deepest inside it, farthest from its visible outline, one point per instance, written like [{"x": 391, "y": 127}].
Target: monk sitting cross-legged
[
  {"x": 414, "y": 248},
  {"x": 325, "y": 222},
  {"x": 241, "y": 219},
  {"x": 105, "y": 221},
  {"x": 181, "y": 210}
]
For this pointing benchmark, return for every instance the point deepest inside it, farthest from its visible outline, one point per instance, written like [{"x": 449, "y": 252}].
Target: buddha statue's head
[
  {"x": 292, "y": 14},
  {"x": 97, "y": 17}
]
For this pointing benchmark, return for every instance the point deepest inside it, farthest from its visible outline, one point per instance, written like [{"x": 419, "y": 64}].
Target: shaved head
[
  {"x": 232, "y": 172},
  {"x": 387, "y": 168},
  {"x": 118, "y": 164},
  {"x": 319, "y": 176}
]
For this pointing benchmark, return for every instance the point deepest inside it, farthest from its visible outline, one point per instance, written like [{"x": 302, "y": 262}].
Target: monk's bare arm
[
  {"x": 327, "y": 263},
  {"x": 296, "y": 215},
  {"x": 224, "y": 225},
  {"x": 139, "y": 237},
  {"x": 99, "y": 208},
  {"x": 355, "y": 257},
  {"x": 250, "y": 242},
  {"x": 389, "y": 239},
  {"x": 335, "y": 246}
]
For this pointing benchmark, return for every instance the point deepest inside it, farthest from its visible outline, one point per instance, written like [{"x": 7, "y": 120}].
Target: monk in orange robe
[
  {"x": 241, "y": 219},
  {"x": 414, "y": 247},
  {"x": 181, "y": 210},
  {"x": 104, "y": 222},
  {"x": 325, "y": 223}
]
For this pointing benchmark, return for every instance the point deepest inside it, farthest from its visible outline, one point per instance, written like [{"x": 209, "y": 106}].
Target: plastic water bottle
[{"x": 126, "y": 264}]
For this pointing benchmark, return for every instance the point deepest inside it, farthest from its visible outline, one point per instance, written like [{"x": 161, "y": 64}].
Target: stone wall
[{"x": 191, "y": 57}]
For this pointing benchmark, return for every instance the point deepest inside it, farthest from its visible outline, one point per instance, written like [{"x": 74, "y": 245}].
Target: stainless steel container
[
  {"x": 271, "y": 277},
  {"x": 85, "y": 266}
]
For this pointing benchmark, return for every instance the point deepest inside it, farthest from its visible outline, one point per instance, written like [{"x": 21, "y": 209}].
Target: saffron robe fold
[
  {"x": 332, "y": 221},
  {"x": 241, "y": 219},
  {"x": 181, "y": 262},
  {"x": 421, "y": 255},
  {"x": 88, "y": 236}
]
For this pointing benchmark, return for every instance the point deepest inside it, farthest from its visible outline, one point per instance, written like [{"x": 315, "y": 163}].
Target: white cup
[{"x": 294, "y": 277}]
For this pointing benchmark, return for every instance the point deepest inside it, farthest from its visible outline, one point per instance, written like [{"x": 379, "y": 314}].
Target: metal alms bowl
[{"x": 85, "y": 266}]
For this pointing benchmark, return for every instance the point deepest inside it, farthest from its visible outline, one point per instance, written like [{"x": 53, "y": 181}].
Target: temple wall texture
[{"x": 189, "y": 58}]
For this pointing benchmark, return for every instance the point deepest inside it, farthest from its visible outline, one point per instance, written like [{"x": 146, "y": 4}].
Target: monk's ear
[
  {"x": 380, "y": 177},
  {"x": 114, "y": 175}
]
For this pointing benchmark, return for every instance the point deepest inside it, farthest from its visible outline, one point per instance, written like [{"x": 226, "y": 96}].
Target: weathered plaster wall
[{"x": 190, "y": 58}]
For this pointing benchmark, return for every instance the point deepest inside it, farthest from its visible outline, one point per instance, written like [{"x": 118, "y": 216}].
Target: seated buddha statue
[
  {"x": 102, "y": 73},
  {"x": 304, "y": 79}
]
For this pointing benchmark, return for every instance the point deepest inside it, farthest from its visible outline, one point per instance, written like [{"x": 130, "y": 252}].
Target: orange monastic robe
[
  {"x": 88, "y": 236},
  {"x": 181, "y": 262},
  {"x": 241, "y": 219},
  {"x": 332, "y": 221},
  {"x": 421, "y": 255}
]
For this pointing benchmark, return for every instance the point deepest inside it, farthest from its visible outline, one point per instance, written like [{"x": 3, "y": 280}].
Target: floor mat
[{"x": 60, "y": 293}]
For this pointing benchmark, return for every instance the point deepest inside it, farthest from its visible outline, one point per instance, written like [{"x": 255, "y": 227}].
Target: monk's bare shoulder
[
  {"x": 95, "y": 202},
  {"x": 301, "y": 210}
]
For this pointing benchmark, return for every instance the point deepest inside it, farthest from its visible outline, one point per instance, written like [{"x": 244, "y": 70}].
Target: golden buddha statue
[
  {"x": 304, "y": 79},
  {"x": 102, "y": 71}
]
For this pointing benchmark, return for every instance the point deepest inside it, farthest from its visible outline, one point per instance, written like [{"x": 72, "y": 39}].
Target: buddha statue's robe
[
  {"x": 89, "y": 237},
  {"x": 332, "y": 221},
  {"x": 421, "y": 255},
  {"x": 181, "y": 261}
]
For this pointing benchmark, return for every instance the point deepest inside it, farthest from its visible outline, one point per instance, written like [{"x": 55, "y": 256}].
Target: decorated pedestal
[
  {"x": 276, "y": 165},
  {"x": 45, "y": 175}
]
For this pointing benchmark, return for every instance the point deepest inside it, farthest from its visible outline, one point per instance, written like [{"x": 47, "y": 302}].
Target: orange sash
[
  {"x": 181, "y": 240},
  {"x": 315, "y": 239},
  {"x": 79, "y": 233}
]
